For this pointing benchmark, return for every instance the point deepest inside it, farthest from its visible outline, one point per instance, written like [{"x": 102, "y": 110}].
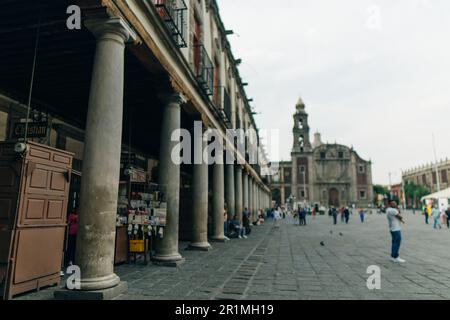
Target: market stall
[{"x": 141, "y": 217}]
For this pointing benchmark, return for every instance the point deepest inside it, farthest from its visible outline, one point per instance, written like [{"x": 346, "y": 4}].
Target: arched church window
[
  {"x": 323, "y": 154},
  {"x": 300, "y": 124}
]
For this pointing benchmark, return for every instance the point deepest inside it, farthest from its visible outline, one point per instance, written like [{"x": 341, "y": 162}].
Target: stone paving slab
[{"x": 289, "y": 263}]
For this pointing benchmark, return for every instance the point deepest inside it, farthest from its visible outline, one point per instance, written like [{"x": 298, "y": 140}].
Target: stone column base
[
  {"x": 218, "y": 239},
  {"x": 199, "y": 247},
  {"x": 165, "y": 261},
  {"x": 106, "y": 294}
]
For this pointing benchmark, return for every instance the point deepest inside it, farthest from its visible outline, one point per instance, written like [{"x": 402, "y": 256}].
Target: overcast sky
[{"x": 373, "y": 74}]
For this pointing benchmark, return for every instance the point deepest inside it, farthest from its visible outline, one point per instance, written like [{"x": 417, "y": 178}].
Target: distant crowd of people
[
  {"x": 237, "y": 228},
  {"x": 440, "y": 217}
]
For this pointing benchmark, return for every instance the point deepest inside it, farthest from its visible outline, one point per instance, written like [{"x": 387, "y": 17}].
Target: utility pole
[
  {"x": 403, "y": 191},
  {"x": 390, "y": 180},
  {"x": 436, "y": 166}
]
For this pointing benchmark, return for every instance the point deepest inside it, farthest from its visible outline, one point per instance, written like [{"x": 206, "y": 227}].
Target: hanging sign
[{"x": 35, "y": 130}]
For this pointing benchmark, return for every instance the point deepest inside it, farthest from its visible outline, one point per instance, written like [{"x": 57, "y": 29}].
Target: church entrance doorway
[{"x": 333, "y": 198}]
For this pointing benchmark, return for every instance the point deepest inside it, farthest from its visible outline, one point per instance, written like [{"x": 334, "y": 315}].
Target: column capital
[
  {"x": 116, "y": 25},
  {"x": 172, "y": 98}
]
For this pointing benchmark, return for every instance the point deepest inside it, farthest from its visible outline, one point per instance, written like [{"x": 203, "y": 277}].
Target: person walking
[
  {"x": 395, "y": 219},
  {"x": 246, "y": 222},
  {"x": 428, "y": 213},
  {"x": 347, "y": 215},
  {"x": 425, "y": 213},
  {"x": 299, "y": 214},
  {"x": 447, "y": 213},
  {"x": 276, "y": 215},
  {"x": 437, "y": 218},
  {"x": 303, "y": 214},
  {"x": 362, "y": 214},
  {"x": 225, "y": 224},
  {"x": 341, "y": 211},
  {"x": 72, "y": 239},
  {"x": 334, "y": 213}
]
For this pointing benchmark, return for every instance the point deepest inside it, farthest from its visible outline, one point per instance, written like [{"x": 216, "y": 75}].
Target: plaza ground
[{"x": 289, "y": 263}]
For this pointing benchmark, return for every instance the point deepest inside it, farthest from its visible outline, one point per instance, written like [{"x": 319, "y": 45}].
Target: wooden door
[{"x": 334, "y": 198}]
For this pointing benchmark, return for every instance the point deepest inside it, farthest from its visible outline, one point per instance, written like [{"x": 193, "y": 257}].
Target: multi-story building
[
  {"x": 430, "y": 175},
  {"x": 122, "y": 84},
  {"x": 328, "y": 174}
]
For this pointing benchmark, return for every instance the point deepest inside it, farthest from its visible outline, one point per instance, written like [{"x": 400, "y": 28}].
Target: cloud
[{"x": 373, "y": 74}]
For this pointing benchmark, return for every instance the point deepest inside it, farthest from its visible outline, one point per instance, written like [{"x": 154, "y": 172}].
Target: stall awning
[{"x": 444, "y": 194}]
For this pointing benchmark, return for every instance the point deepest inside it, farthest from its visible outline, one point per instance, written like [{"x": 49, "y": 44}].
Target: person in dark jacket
[
  {"x": 302, "y": 216},
  {"x": 347, "y": 215},
  {"x": 447, "y": 213},
  {"x": 246, "y": 221},
  {"x": 334, "y": 213}
]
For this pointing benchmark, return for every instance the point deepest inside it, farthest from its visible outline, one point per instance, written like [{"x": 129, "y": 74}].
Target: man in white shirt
[
  {"x": 395, "y": 220},
  {"x": 277, "y": 215}
]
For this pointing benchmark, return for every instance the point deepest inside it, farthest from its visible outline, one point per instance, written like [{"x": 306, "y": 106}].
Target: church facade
[{"x": 322, "y": 173}]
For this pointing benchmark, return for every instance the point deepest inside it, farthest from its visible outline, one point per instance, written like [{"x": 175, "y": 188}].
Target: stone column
[
  {"x": 255, "y": 197},
  {"x": 283, "y": 194},
  {"x": 264, "y": 199},
  {"x": 258, "y": 203},
  {"x": 282, "y": 189},
  {"x": 245, "y": 188},
  {"x": 199, "y": 240},
  {"x": 259, "y": 198},
  {"x": 229, "y": 192},
  {"x": 101, "y": 163},
  {"x": 250, "y": 199},
  {"x": 218, "y": 201},
  {"x": 238, "y": 187},
  {"x": 167, "y": 251}
]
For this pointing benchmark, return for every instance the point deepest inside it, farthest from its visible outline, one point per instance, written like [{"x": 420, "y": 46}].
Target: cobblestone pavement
[{"x": 288, "y": 262}]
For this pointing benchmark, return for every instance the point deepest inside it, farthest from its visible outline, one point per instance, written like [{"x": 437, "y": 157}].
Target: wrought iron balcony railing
[
  {"x": 204, "y": 69},
  {"x": 173, "y": 13},
  {"x": 222, "y": 103}
]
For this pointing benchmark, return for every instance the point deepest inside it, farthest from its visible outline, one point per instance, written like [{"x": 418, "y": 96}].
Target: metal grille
[
  {"x": 204, "y": 69},
  {"x": 227, "y": 104},
  {"x": 173, "y": 13}
]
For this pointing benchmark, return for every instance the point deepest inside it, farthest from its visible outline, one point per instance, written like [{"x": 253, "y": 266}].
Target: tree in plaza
[
  {"x": 379, "y": 190},
  {"x": 415, "y": 192}
]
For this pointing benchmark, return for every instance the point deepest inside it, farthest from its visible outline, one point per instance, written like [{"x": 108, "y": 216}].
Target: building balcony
[
  {"x": 173, "y": 13},
  {"x": 204, "y": 69},
  {"x": 222, "y": 102}
]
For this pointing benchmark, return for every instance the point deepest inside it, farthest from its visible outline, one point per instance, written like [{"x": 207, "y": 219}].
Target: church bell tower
[{"x": 302, "y": 142}]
